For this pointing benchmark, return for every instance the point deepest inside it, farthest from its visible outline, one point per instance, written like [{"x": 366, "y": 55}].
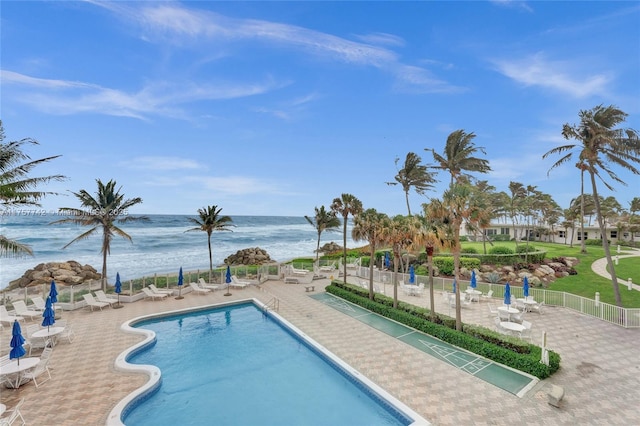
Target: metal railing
[{"x": 624, "y": 317}]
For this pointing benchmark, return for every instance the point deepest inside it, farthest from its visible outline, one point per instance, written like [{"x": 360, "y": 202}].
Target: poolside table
[
  {"x": 509, "y": 310},
  {"x": 14, "y": 368},
  {"x": 49, "y": 332}
]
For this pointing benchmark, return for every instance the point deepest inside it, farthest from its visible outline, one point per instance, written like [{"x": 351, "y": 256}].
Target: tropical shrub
[
  {"x": 445, "y": 264},
  {"x": 500, "y": 250}
]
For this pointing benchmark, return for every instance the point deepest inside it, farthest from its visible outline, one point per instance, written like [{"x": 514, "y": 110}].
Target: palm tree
[
  {"x": 458, "y": 156},
  {"x": 583, "y": 241},
  {"x": 601, "y": 144},
  {"x": 209, "y": 220},
  {"x": 634, "y": 222},
  {"x": 322, "y": 221},
  {"x": 369, "y": 226},
  {"x": 413, "y": 174},
  {"x": 102, "y": 212},
  {"x": 427, "y": 235},
  {"x": 399, "y": 234},
  {"x": 516, "y": 201},
  {"x": 346, "y": 205},
  {"x": 450, "y": 213},
  {"x": 17, "y": 188}
]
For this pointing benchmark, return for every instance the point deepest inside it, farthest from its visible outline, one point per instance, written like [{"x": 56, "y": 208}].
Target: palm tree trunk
[
  {"x": 583, "y": 243},
  {"x": 318, "y": 249},
  {"x": 395, "y": 279},
  {"x": 344, "y": 248},
  {"x": 371, "y": 257},
  {"x": 210, "y": 258},
  {"x": 406, "y": 196},
  {"x": 432, "y": 304},
  {"x": 104, "y": 270},
  {"x": 605, "y": 242}
]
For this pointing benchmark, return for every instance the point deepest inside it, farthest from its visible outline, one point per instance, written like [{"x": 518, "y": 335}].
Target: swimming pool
[{"x": 235, "y": 365}]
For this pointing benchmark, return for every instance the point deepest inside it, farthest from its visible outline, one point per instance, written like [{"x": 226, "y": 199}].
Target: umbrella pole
[{"x": 179, "y": 293}]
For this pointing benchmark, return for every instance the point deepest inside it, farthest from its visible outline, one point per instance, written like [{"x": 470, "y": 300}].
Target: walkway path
[{"x": 600, "y": 266}]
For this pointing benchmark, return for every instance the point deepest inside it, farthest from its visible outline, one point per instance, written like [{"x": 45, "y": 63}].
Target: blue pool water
[{"x": 236, "y": 366}]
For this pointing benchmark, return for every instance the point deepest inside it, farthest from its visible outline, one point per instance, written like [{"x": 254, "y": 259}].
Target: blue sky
[{"x": 273, "y": 108}]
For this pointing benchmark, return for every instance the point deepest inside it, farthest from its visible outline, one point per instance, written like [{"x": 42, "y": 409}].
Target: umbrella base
[
  {"x": 179, "y": 297},
  {"x": 118, "y": 306},
  {"x": 227, "y": 294}
]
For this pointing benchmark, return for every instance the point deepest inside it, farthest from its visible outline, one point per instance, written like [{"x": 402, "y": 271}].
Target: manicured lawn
[
  {"x": 628, "y": 268},
  {"x": 586, "y": 283}
]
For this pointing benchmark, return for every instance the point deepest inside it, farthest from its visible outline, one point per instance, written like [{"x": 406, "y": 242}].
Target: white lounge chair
[
  {"x": 297, "y": 271},
  {"x": 102, "y": 297},
  {"x": 195, "y": 287},
  {"x": 160, "y": 291},
  {"x": 237, "y": 283},
  {"x": 92, "y": 302},
  {"x": 5, "y": 317},
  {"x": 148, "y": 293},
  {"x": 21, "y": 310},
  {"x": 203, "y": 284}
]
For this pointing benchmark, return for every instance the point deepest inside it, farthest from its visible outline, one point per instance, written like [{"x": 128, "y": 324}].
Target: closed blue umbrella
[
  {"x": 180, "y": 283},
  {"x": 507, "y": 294},
  {"x": 412, "y": 275},
  {"x": 118, "y": 288},
  {"x": 473, "y": 279},
  {"x": 48, "y": 314},
  {"x": 387, "y": 259},
  {"x": 53, "y": 292},
  {"x": 16, "y": 342},
  {"x": 228, "y": 280},
  {"x": 454, "y": 286},
  {"x": 525, "y": 287}
]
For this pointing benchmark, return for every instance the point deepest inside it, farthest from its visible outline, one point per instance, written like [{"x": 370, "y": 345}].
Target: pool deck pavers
[{"x": 599, "y": 371}]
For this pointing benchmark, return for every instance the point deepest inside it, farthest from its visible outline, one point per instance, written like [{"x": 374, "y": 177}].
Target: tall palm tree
[
  {"x": 209, "y": 220},
  {"x": 601, "y": 145},
  {"x": 413, "y": 174},
  {"x": 450, "y": 213},
  {"x": 369, "y": 226},
  {"x": 102, "y": 212},
  {"x": 427, "y": 235},
  {"x": 399, "y": 234},
  {"x": 583, "y": 241},
  {"x": 345, "y": 205},
  {"x": 17, "y": 188},
  {"x": 458, "y": 156},
  {"x": 516, "y": 201},
  {"x": 322, "y": 221}
]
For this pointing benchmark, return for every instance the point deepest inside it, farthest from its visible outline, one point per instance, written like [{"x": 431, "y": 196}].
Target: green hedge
[
  {"x": 445, "y": 264},
  {"x": 508, "y": 351}
]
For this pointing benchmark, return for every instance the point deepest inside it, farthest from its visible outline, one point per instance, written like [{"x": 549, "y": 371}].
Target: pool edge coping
[{"x": 155, "y": 376}]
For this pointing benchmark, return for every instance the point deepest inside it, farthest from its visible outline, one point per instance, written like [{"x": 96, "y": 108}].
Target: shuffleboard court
[{"x": 508, "y": 379}]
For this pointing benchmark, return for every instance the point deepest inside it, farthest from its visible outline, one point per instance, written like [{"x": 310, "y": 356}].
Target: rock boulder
[{"x": 64, "y": 273}]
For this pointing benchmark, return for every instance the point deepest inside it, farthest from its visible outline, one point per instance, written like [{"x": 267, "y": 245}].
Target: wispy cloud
[
  {"x": 513, "y": 4},
  {"x": 159, "y": 98},
  {"x": 383, "y": 39},
  {"x": 173, "y": 23},
  {"x": 161, "y": 163},
  {"x": 561, "y": 76}
]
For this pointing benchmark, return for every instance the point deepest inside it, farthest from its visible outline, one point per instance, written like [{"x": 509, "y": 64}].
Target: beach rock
[
  {"x": 249, "y": 256},
  {"x": 330, "y": 248},
  {"x": 64, "y": 273}
]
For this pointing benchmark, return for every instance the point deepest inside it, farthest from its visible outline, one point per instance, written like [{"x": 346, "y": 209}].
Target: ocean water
[{"x": 160, "y": 245}]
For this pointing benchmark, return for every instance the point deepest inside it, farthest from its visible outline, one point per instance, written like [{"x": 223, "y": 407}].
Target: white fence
[{"x": 624, "y": 317}]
